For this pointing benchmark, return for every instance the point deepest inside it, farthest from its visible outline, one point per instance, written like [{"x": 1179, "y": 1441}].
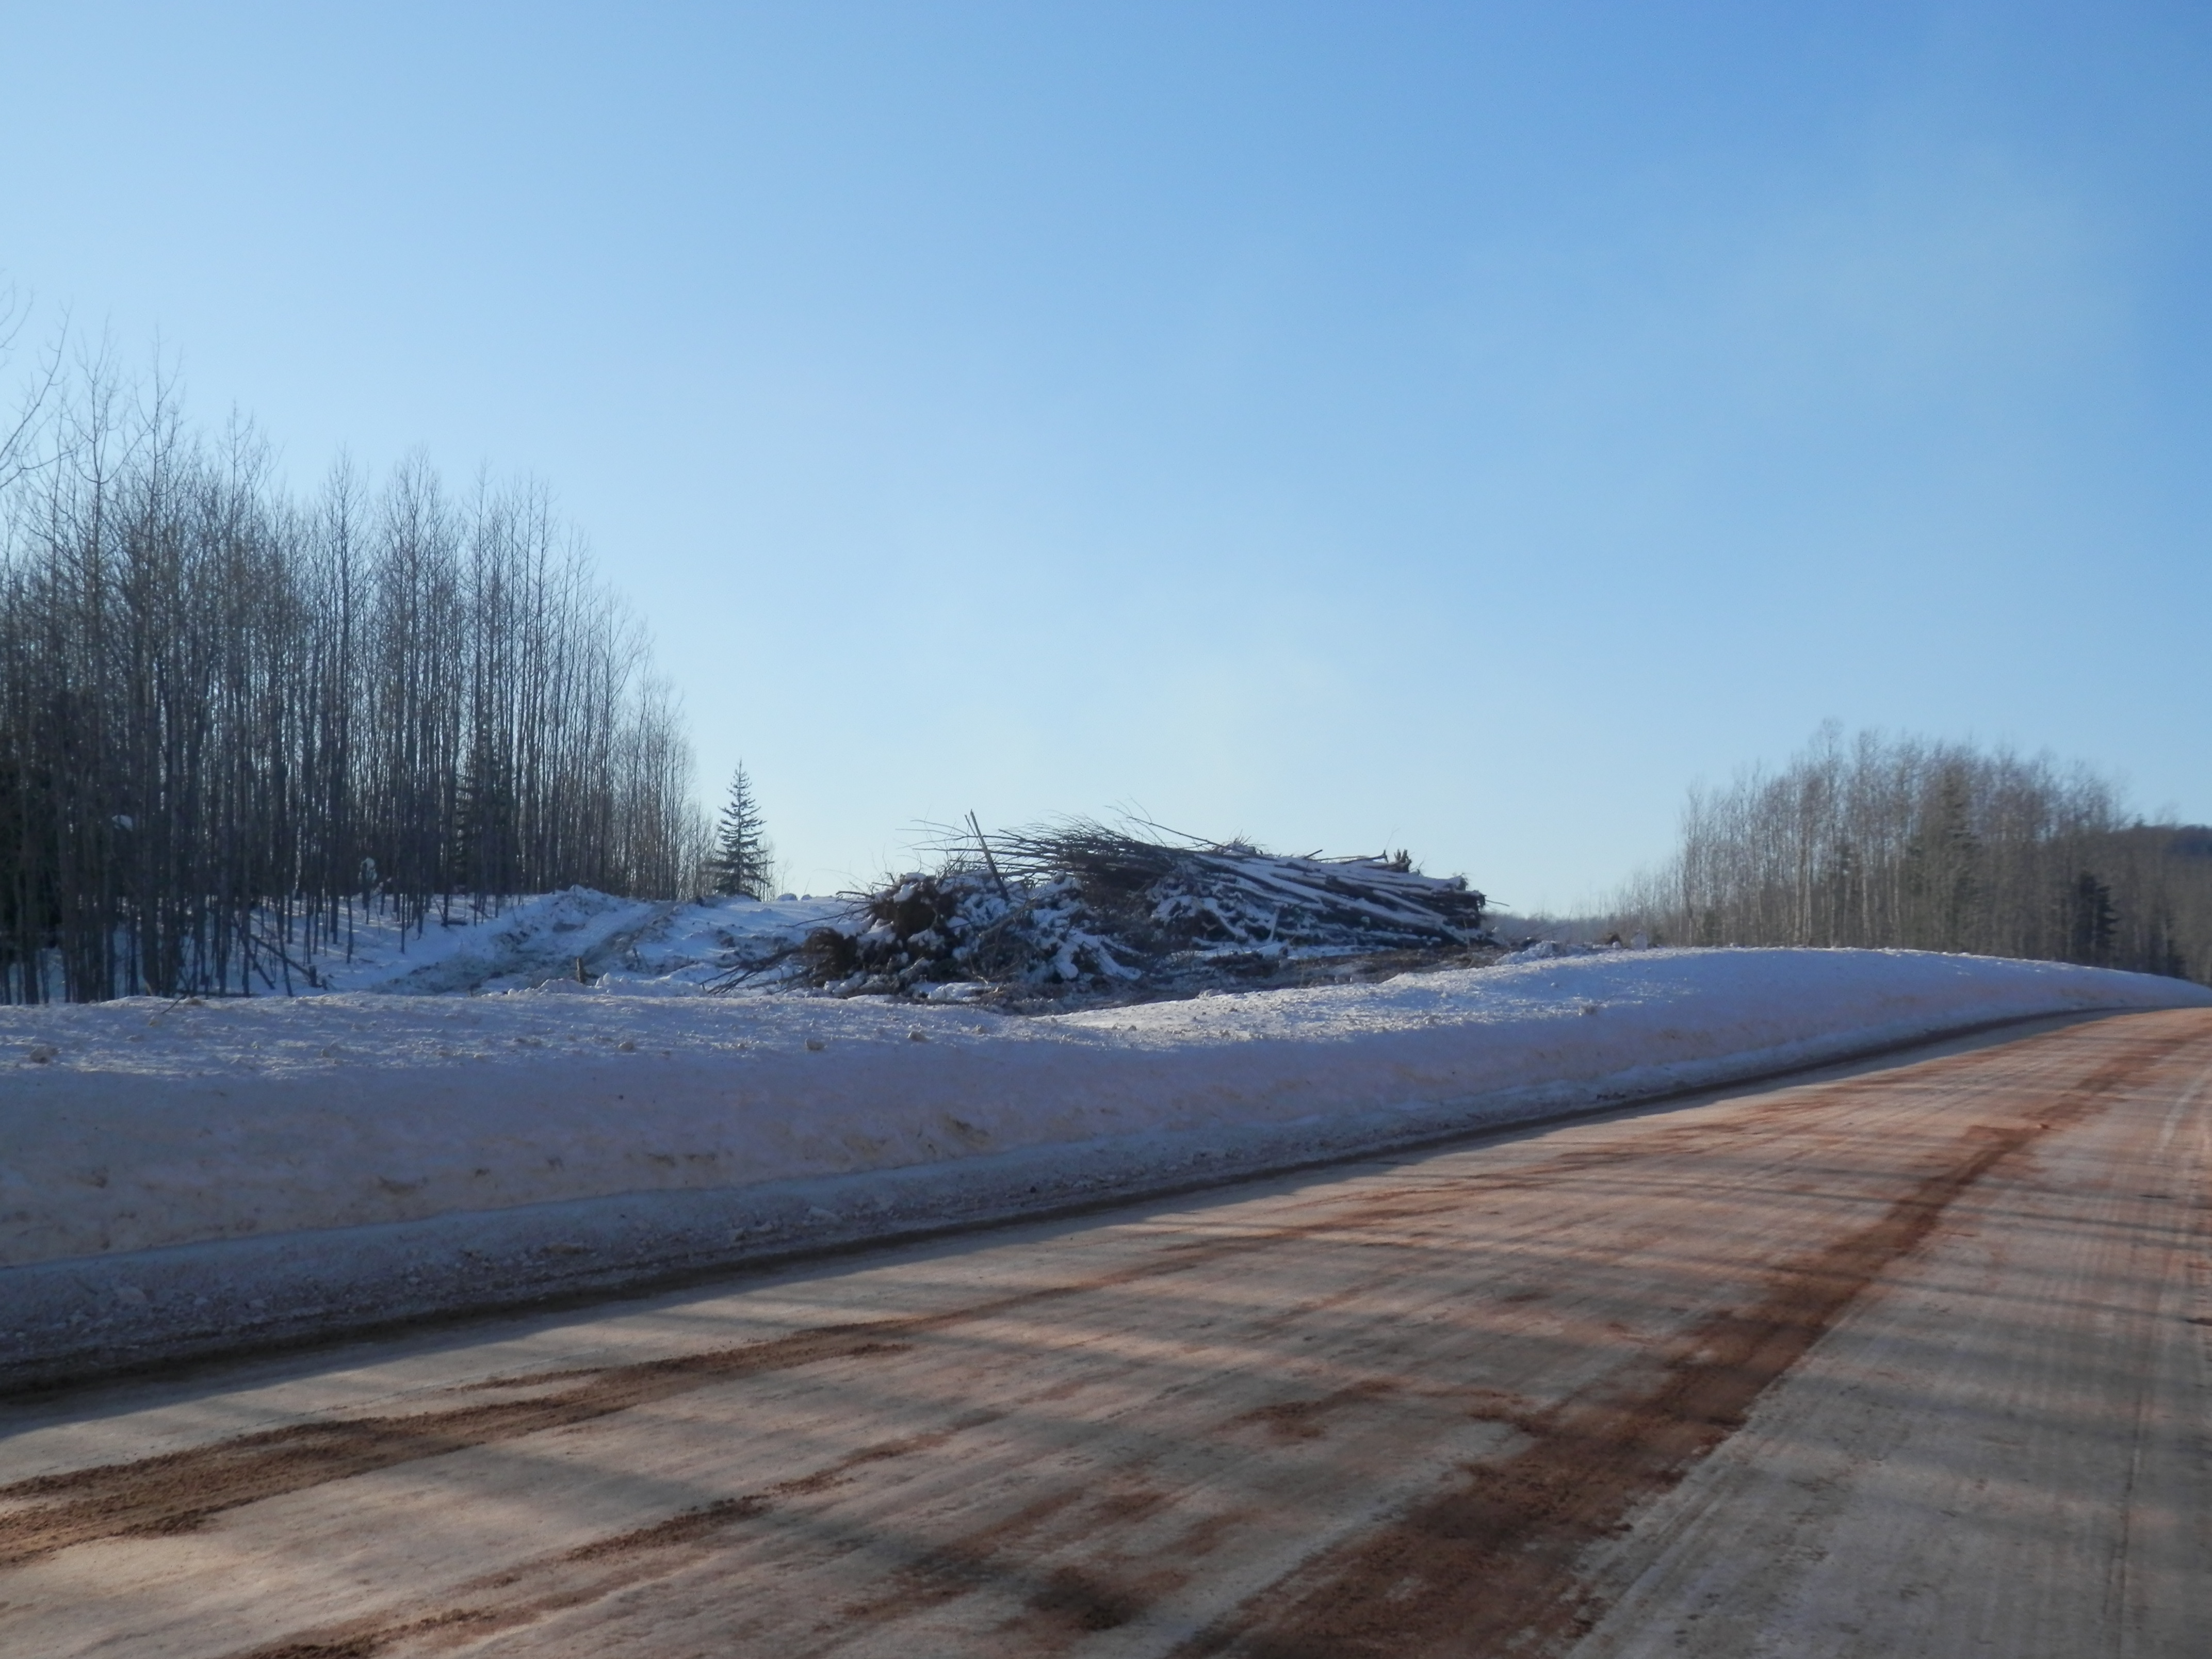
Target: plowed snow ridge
[{"x": 175, "y": 1179}]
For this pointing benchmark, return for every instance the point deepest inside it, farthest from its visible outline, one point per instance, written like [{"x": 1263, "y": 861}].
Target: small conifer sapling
[{"x": 739, "y": 866}]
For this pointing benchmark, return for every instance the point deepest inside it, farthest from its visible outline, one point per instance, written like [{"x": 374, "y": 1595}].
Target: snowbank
[
  {"x": 178, "y": 1179},
  {"x": 629, "y": 946}
]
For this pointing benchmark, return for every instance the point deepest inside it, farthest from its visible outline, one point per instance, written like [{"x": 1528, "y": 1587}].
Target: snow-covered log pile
[{"x": 1081, "y": 907}]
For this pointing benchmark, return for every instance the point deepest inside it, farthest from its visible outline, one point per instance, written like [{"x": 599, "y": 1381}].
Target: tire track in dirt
[
  {"x": 1062, "y": 1604},
  {"x": 524, "y": 1593},
  {"x": 178, "y": 1492},
  {"x": 1488, "y": 1567}
]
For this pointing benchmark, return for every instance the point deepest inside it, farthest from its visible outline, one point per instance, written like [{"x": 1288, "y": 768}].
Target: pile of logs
[{"x": 1083, "y": 907}]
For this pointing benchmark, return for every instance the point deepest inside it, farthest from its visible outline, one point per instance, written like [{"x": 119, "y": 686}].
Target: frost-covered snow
[{"x": 160, "y": 1155}]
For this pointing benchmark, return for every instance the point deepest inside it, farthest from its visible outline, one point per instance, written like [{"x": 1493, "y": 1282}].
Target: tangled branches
[{"x": 1081, "y": 906}]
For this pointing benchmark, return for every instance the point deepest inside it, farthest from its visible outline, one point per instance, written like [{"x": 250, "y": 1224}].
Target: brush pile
[{"x": 1083, "y": 910}]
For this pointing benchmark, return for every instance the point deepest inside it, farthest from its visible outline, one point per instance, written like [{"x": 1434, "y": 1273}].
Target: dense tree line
[
  {"x": 1938, "y": 847},
  {"x": 231, "y": 720}
]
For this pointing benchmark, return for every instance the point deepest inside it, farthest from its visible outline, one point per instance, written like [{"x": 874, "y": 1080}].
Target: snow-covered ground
[
  {"x": 177, "y": 1177},
  {"x": 632, "y": 947}
]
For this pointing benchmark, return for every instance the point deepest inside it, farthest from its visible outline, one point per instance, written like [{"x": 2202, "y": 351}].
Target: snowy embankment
[
  {"x": 187, "y": 1178},
  {"x": 628, "y": 947}
]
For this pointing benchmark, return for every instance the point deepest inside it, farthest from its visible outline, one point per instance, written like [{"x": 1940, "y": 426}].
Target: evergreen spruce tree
[{"x": 739, "y": 865}]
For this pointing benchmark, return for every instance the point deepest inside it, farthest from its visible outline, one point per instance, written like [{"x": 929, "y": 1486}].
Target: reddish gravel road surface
[{"x": 1915, "y": 1360}]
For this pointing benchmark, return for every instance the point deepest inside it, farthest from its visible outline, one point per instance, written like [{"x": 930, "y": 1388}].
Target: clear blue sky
[{"x": 1459, "y": 426}]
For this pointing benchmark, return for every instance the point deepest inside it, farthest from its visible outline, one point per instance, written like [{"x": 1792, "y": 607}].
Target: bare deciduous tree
[
  {"x": 1880, "y": 841},
  {"x": 228, "y": 721}
]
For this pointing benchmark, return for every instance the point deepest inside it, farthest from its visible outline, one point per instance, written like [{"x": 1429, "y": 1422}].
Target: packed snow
[{"x": 174, "y": 1175}]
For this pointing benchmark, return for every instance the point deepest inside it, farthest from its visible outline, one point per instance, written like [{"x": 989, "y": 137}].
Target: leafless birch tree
[{"x": 229, "y": 721}]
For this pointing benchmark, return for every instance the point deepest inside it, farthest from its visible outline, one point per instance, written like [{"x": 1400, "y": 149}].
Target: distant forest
[
  {"x": 1884, "y": 842},
  {"x": 230, "y": 720}
]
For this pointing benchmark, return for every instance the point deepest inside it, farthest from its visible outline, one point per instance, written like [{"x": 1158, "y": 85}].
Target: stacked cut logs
[{"x": 1083, "y": 907}]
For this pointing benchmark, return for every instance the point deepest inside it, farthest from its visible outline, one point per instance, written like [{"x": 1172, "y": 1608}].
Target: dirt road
[{"x": 1916, "y": 1361}]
